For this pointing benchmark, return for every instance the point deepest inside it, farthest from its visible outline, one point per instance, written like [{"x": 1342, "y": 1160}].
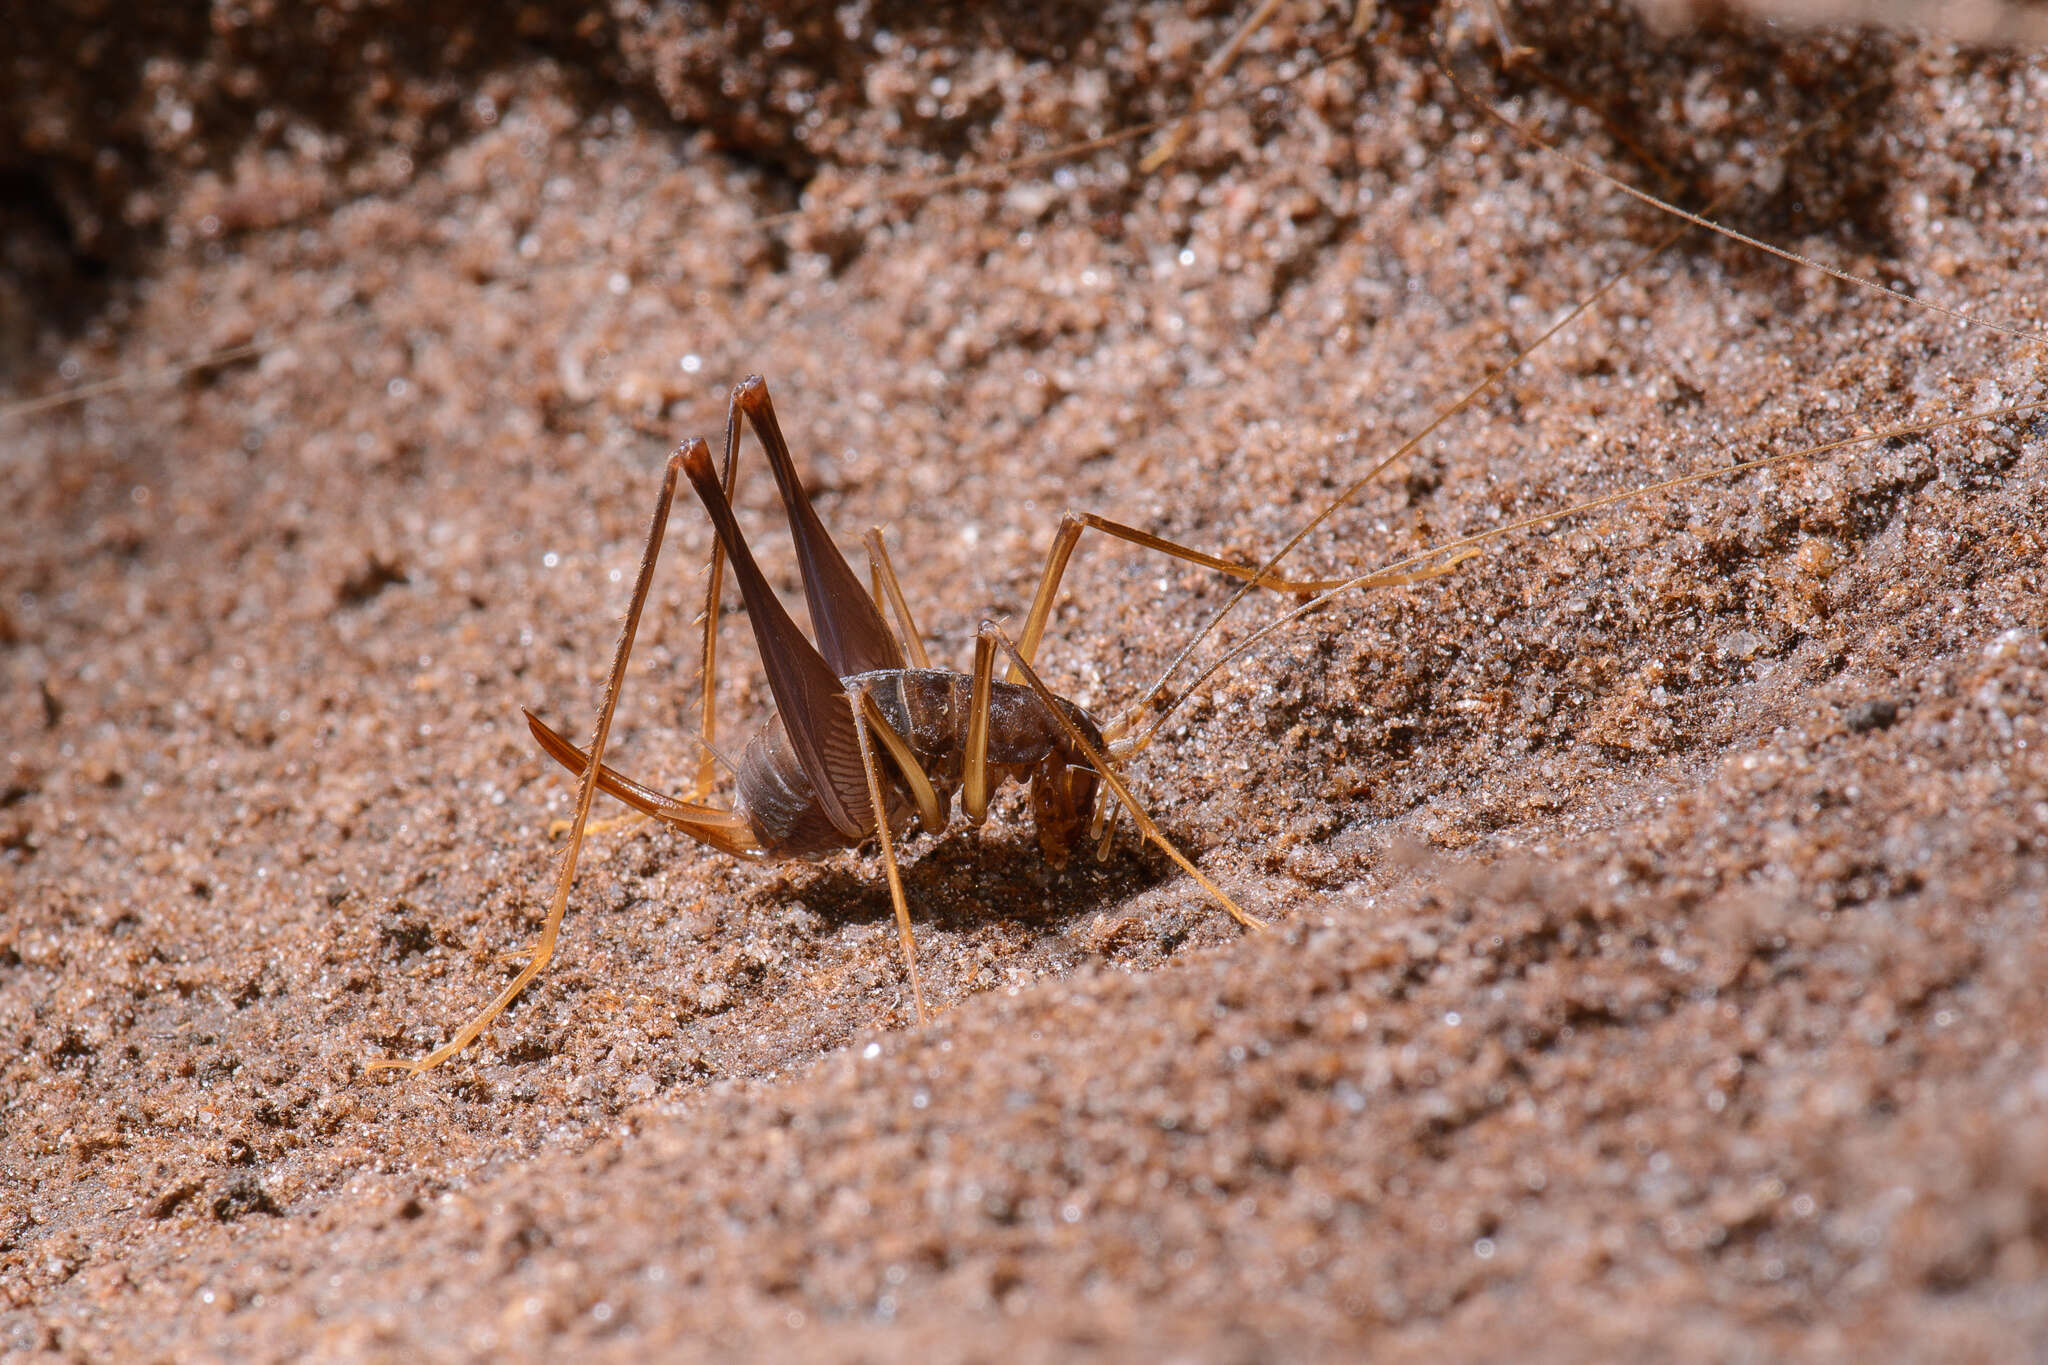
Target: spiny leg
[
  {"x": 931, "y": 812},
  {"x": 976, "y": 781},
  {"x": 851, "y": 633},
  {"x": 1069, "y": 536},
  {"x": 610, "y": 781},
  {"x": 865, "y": 714},
  {"x": 707, "y": 667},
  {"x": 1100, "y": 762},
  {"x": 630, "y": 820},
  {"x": 724, "y": 830},
  {"x": 544, "y": 949}
]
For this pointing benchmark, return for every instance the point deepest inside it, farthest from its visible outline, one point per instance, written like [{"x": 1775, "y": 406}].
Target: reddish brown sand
[{"x": 1658, "y": 899}]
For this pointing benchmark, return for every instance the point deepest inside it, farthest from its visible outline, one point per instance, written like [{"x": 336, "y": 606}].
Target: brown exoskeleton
[{"x": 863, "y": 723}]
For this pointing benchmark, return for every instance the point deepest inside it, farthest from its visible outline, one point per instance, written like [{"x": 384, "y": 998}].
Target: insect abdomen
[
  {"x": 780, "y": 804},
  {"x": 929, "y": 708}
]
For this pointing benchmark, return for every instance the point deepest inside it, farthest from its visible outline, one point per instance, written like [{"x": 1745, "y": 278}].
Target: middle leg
[{"x": 865, "y": 714}]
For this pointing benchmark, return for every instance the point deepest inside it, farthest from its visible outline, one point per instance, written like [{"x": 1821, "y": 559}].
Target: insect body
[
  {"x": 929, "y": 709},
  {"x": 802, "y": 789},
  {"x": 867, "y": 739}
]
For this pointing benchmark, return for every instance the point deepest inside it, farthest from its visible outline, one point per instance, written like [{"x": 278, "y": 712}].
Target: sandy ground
[{"x": 1658, "y": 899}]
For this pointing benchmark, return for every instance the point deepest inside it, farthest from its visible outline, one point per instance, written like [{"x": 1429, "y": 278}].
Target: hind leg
[{"x": 551, "y": 928}]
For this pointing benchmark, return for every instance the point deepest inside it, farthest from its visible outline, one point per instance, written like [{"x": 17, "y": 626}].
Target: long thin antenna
[
  {"x": 1688, "y": 220},
  {"x": 1398, "y": 570},
  {"x": 29, "y": 407},
  {"x": 1701, "y": 220}
]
